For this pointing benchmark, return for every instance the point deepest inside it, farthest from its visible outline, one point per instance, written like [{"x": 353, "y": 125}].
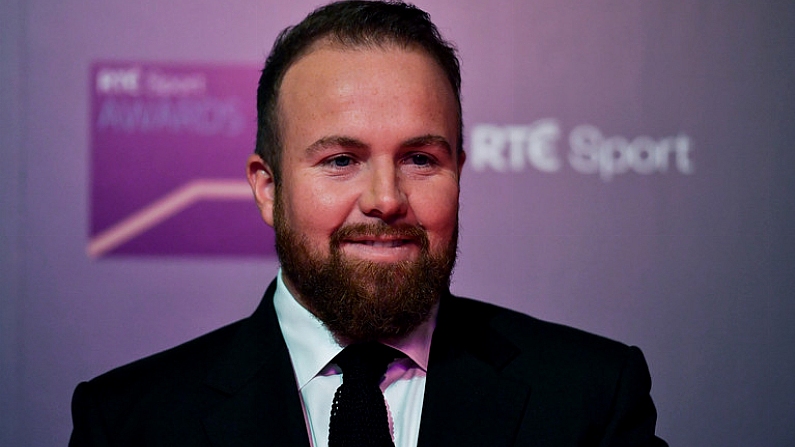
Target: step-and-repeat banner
[{"x": 629, "y": 172}]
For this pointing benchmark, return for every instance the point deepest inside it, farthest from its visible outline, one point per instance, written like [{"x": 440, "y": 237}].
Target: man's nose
[{"x": 383, "y": 196}]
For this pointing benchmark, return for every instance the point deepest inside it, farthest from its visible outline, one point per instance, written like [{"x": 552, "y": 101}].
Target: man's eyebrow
[
  {"x": 429, "y": 140},
  {"x": 335, "y": 141},
  {"x": 353, "y": 143}
]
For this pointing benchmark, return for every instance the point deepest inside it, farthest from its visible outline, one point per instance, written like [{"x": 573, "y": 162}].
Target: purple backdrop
[{"x": 630, "y": 173}]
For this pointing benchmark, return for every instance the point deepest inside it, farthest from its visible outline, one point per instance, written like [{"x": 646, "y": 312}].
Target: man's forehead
[
  {"x": 342, "y": 47},
  {"x": 339, "y": 70}
]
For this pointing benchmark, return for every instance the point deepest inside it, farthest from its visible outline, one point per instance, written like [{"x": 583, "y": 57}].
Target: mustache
[{"x": 404, "y": 231}]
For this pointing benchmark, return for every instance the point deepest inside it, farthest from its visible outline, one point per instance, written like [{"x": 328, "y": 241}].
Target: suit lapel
[
  {"x": 468, "y": 402},
  {"x": 260, "y": 404}
]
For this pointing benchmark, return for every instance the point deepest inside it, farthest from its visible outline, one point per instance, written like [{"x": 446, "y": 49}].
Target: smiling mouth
[
  {"x": 380, "y": 236},
  {"x": 391, "y": 243}
]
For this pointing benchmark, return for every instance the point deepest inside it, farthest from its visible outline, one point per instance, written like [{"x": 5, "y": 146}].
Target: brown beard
[{"x": 360, "y": 300}]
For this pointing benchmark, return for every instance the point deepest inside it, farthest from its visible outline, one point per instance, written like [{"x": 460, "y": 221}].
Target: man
[{"x": 357, "y": 167}]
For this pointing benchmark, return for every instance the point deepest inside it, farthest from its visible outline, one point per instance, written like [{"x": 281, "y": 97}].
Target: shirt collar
[{"x": 312, "y": 346}]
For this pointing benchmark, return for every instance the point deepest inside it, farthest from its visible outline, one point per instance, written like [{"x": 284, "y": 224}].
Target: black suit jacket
[{"x": 495, "y": 378}]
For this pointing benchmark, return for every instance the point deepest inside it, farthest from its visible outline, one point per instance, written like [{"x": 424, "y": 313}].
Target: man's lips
[
  {"x": 381, "y": 249},
  {"x": 380, "y": 236},
  {"x": 380, "y": 242}
]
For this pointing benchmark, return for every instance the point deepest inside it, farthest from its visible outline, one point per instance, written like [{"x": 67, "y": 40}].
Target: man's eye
[
  {"x": 341, "y": 161},
  {"x": 420, "y": 159}
]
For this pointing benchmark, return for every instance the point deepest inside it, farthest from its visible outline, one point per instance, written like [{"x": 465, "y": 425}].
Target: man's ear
[
  {"x": 462, "y": 157},
  {"x": 260, "y": 177}
]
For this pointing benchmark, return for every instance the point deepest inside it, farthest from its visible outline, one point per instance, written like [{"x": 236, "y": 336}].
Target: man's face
[{"x": 369, "y": 180}]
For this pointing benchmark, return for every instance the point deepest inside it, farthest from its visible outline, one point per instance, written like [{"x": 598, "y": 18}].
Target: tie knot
[{"x": 366, "y": 361}]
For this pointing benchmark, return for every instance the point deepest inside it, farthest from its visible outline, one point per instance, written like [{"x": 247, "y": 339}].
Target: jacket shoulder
[
  {"x": 154, "y": 388},
  {"x": 535, "y": 345},
  {"x": 193, "y": 358},
  {"x": 585, "y": 389}
]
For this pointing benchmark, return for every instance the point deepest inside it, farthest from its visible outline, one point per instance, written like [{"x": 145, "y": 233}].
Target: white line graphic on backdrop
[{"x": 165, "y": 207}]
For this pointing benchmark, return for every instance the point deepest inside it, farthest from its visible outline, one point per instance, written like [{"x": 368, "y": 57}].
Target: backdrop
[{"x": 630, "y": 173}]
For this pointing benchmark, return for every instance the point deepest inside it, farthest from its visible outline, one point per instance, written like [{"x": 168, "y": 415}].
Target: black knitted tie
[{"x": 358, "y": 414}]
